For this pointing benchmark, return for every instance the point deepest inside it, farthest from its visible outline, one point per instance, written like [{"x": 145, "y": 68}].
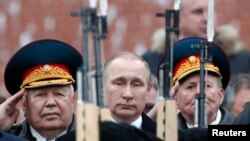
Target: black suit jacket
[
  {"x": 148, "y": 124},
  {"x": 112, "y": 131}
]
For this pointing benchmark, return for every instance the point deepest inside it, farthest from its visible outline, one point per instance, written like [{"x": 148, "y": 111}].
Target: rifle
[
  {"x": 206, "y": 56},
  {"x": 88, "y": 115},
  {"x": 167, "y": 112}
]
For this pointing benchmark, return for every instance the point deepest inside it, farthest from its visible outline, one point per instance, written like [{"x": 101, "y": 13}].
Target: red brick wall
[{"x": 131, "y": 23}]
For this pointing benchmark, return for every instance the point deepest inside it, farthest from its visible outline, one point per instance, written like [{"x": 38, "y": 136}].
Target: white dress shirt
[{"x": 137, "y": 123}]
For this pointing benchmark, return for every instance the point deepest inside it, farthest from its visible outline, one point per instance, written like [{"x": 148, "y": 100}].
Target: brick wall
[{"x": 131, "y": 23}]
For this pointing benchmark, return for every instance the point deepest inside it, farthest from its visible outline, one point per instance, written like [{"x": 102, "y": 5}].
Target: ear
[
  {"x": 174, "y": 89},
  {"x": 104, "y": 93},
  {"x": 150, "y": 86},
  {"x": 174, "y": 95},
  {"x": 176, "y": 101},
  {"x": 221, "y": 94},
  {"x": 74, "y": 98}
]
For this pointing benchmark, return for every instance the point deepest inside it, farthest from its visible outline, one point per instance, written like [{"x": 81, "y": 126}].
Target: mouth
[
  {"x": 125, "y": 106},
  {"x": 51, "y": 115},
  {"x": 193, "y": 105}
]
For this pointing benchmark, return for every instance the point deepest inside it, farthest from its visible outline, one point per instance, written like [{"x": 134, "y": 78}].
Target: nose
[
  {"x": 50, "y": 101},
  {"x": 197, "y": 91},
  {"x": 127, "y": 94}
]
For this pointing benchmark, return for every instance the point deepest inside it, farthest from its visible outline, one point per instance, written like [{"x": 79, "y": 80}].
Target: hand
[
  {"x": 9, "y": 112},
  {"x": 153, "y": 112}
]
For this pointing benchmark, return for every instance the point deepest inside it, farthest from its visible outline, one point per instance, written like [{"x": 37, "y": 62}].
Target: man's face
[
  {"x": 193, "y": 18},
  {"x": 188, "y": 90},
  {"x": 242, "y": 97},
  {"x": 49, "y": 108},
  {"x": 126, "y": 89}
]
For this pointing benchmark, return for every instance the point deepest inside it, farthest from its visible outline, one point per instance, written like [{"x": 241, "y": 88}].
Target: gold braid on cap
[
  {"x": 48, "y": 74},
  {"x": 192, "y": 64}
]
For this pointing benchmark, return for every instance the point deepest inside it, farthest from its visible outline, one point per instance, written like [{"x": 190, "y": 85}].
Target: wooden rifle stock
[
  {"x": 88, "y": 115},
  {"x": 167, "y": 128}
]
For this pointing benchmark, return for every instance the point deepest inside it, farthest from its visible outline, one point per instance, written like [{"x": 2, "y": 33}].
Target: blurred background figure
[
  {"x": 191, "y": 11},
  {"x": 195, "y": 12},
  {"x": 243, "y": 117},
  {"x": 153, "y": 56},
  {"x": 227, "y": 36},
  {"x": 237, "y": 93},
  {"x": 153, "y": 95}
]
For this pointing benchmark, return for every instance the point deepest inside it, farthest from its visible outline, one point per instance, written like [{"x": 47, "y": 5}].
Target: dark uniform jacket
[
  {"x": 226, "y": 119},
  {"x": 23, "y": 130},
  {"x": 8, "y": 137}
]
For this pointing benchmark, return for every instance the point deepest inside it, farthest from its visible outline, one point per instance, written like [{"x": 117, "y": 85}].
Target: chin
[
  {"x": 126, "y": 113},
  {"x": 54, "y": 126},
  {"x": 53, "y": 123}
]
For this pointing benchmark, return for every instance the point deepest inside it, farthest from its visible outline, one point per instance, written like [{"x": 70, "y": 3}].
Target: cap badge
[{"x": 46, "y": 68}]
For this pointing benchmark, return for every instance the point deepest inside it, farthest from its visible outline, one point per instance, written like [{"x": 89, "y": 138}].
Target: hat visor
[
  {"x": 44, "y": 83},
  {"x": 185, "y": 74}
]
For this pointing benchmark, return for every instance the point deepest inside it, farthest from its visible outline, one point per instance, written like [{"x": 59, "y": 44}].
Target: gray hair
[{"x": 71, "y": 87}]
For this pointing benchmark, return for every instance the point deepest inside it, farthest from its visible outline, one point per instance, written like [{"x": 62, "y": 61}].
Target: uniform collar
[
  {"x": 39, "y": 137},
  {"x": 215, "y": 122}
]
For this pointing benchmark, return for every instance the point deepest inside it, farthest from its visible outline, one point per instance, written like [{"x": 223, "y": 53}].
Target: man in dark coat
[
  {"x": 127, "y": 82},
  {"x": 110, "y": 131}
]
